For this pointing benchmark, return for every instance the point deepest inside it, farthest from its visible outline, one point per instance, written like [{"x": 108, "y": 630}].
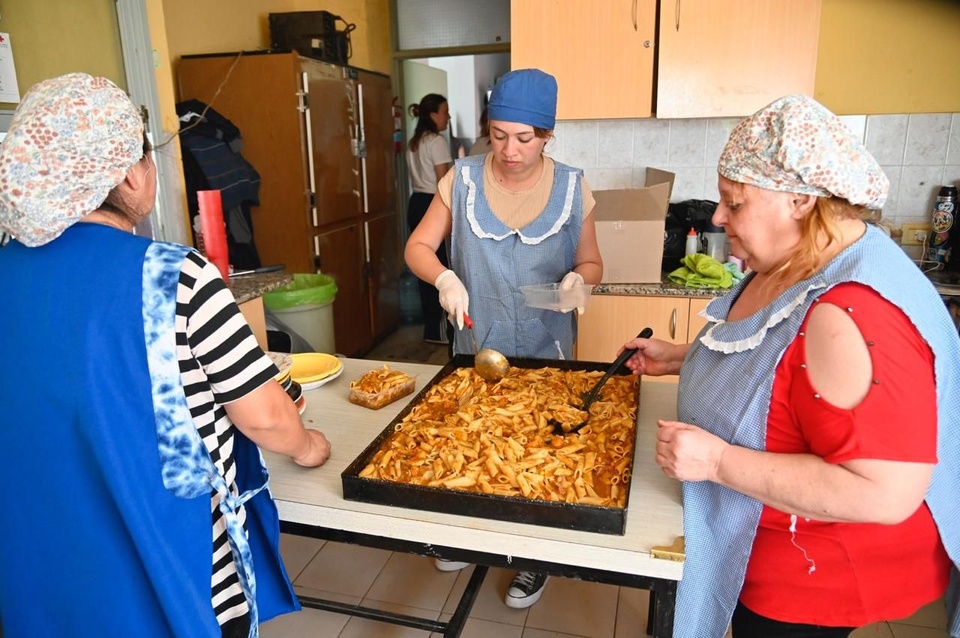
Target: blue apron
[
  {"x": 725, "y": 387},
  {"x": 493, "y": 261},
  {"x": 95, "y": 425}
]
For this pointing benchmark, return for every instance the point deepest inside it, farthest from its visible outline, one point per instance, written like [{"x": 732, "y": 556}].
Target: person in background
[
  {"x": 428, "y": 158},
  {"x": 818, "y": 411},
  {"x": 482, "y": 145},
  {"x": 514, "y": 217},
  {"x": 134, "y": 396}
]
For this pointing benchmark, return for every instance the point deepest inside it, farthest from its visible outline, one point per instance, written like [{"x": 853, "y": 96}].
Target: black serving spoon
[{"x": 591, "y": 395}]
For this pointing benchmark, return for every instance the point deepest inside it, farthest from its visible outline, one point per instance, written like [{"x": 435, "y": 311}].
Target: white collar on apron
[{"x": 497, "y": 230}]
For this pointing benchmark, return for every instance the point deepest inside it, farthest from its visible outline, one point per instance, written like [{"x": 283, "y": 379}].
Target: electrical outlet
[{"x": 914, "y": 234}]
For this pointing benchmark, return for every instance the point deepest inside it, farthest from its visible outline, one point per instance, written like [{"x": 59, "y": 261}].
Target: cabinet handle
[
  {"x": 634, "y": 15},
  {"x": 676, "y": 14},
  {"x": 673, "y": 324}
]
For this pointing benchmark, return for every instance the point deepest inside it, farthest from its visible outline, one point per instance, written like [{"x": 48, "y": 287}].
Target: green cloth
[{"x": 701, "y": 271}]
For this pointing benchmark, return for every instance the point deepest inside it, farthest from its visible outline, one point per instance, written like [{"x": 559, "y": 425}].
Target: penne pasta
[{"x": 497, "y": 438}]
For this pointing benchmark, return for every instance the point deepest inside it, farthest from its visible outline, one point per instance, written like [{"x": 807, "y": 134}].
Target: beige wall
[
  {"x": 53, "y": 37},
  {"x": 889, "y": 56},
  {"x": 217, "y": 26}
]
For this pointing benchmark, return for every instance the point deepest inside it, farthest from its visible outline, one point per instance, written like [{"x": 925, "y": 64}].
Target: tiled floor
[{"x": 410, "y": 584}]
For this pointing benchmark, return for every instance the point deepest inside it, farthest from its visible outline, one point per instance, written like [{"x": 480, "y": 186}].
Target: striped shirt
[{"x": 220, "y": 361}]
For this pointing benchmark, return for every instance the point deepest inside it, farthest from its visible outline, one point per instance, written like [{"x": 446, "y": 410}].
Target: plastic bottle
[
  {"x": 942, "y": 224},
  {"x": 214, "y": 230},
  {"x": 716, "y": 242},
  {"x": 693, "y": 242}
]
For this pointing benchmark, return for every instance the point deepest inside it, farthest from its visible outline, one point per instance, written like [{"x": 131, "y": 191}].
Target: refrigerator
[{"x": 321, "y": 137}]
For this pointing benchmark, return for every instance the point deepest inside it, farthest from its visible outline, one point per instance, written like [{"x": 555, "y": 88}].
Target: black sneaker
[{"x": 525, "y": 590}]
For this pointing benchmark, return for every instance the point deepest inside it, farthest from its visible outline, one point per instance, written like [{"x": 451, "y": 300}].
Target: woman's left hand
[
  {"x": 687, "y": 452},
  {"x": 570, "y": 281}
]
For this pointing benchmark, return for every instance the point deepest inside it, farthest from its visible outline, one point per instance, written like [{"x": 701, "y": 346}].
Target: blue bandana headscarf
[{"x": 526, "y": 96}]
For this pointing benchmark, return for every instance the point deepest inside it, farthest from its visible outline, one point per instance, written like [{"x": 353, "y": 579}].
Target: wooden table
[{"x": 311, "y": 503}]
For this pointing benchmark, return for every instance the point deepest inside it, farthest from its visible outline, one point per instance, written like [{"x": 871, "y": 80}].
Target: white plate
[{"x": 325, "y": 380}]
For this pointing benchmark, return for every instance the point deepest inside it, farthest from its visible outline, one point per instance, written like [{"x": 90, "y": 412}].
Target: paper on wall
[{"x": 9, "y": 91}]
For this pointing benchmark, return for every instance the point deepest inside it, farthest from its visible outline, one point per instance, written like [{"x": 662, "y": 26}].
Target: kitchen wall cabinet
[
  {"x": 732, "y": 57},
  {"x": 612, "y": 320},
  {"x": 715, "y": 57},
  {"x": 601, "y": 53},
  {"x": 320, "y": 136}
]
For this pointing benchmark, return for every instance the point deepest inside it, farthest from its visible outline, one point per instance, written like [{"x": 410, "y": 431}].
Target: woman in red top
[{"x": 809, "y": 406}]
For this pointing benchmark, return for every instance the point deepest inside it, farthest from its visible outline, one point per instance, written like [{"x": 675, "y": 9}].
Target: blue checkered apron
[
  {"x": 493, "y": 261},
  {"x": 725, "y": 387}
]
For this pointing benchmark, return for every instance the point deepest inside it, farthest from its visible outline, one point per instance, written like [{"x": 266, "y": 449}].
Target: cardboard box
[{"x": 630, "y": 225}]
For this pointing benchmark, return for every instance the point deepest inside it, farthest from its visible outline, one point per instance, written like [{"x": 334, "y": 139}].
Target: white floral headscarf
[
  {"x": 71, "y": 141},
  {"x": 796, "y": 145}
]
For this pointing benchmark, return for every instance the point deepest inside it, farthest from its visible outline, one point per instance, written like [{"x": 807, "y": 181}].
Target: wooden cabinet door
[
  {"x": 612, "y": 320},
  {"x": 341, "y": 257},
  {"x": 378, "y": 168},
  {"x": 601, "y": 53},
  {"x": 732, "y": 57},
  {"x": 258, "y": 93},
  {"x": 333, "y": 126},
  {"x": 386, "y": 264}
]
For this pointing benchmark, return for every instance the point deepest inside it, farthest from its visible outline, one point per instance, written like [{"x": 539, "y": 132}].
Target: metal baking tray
[{"x": 587, "y": 518}]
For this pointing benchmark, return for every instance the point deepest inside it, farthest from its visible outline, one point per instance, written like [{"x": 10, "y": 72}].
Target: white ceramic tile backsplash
[
  {"x": 651, "y": 142},
  {"x": 953, "y": 151},
  {"x": 918, "y": 152},
  {"x": 927, "y": 137}
]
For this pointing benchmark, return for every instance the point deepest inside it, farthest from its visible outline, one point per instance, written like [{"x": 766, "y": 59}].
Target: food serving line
[{"x": 311, "y": 503}]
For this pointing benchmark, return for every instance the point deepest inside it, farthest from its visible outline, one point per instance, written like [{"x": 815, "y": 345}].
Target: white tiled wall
[{"x": 918, "y": 152}]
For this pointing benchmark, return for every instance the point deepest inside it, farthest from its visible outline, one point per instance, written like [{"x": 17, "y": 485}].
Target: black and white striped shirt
[{"x": 220, "y": 361}]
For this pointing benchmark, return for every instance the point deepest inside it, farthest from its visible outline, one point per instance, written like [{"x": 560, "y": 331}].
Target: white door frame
[{"x": 169, "y": 221}]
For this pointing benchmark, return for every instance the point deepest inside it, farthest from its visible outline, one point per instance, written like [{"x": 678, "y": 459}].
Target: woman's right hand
[
  {"x": 655, "y": 357},
  {"x": 453, "y": 296},
  {"x": 319, "y": 450}
]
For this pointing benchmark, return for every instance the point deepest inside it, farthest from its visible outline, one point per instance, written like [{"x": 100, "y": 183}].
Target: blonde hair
[{"x": 818, "y": 231}]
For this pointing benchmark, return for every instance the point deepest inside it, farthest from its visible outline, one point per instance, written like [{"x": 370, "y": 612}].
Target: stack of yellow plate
[
  {"x": 284, "y": 364},
  {"x": 313, "y": 369}
]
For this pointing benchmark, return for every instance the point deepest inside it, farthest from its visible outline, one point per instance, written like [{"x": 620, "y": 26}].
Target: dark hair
[
  {"x": 115, "y": 203},
  {"x": 429, "y": 105},
  {"x": 484, "y": 123}
]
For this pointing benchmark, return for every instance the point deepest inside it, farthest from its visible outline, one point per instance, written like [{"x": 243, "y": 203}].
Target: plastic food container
[
  {"x": 550, "y": 297},
  {"x": 378, "y": 388}
]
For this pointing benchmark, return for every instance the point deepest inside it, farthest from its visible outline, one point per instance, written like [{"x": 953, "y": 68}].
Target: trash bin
[{"x": 306, "y": 305}]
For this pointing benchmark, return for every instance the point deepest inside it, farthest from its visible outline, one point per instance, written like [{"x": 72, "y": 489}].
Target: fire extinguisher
[{"x": 397, "y": 127}]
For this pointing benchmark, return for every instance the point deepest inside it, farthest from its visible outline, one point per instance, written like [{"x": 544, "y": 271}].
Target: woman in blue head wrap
[{"x": 514, "y": 217}]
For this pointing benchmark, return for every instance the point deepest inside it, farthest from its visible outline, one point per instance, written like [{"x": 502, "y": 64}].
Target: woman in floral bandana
[
  {"x": 818, "y": 432},
  {"x": 133, "y": 399}
]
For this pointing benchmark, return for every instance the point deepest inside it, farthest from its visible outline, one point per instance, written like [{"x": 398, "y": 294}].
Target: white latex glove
[
  {"x": 453, "y": 296},
  {"x": 569, "y": 281}
]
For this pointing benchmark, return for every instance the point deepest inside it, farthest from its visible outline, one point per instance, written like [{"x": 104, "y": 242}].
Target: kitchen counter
[
  {"x": 248, "y": 290},
  {"x": 252, "y": 286},
  {"x": 665, "y": 288}
]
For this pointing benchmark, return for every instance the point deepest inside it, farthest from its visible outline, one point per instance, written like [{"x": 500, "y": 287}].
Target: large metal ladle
[{"x": 490, "y": 364}]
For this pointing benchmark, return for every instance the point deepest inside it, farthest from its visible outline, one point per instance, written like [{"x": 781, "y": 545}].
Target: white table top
[{"x": 314, "y": 496}]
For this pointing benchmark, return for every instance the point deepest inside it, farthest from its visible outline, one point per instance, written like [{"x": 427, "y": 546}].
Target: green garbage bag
[{"x": 306, "y": 289}]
